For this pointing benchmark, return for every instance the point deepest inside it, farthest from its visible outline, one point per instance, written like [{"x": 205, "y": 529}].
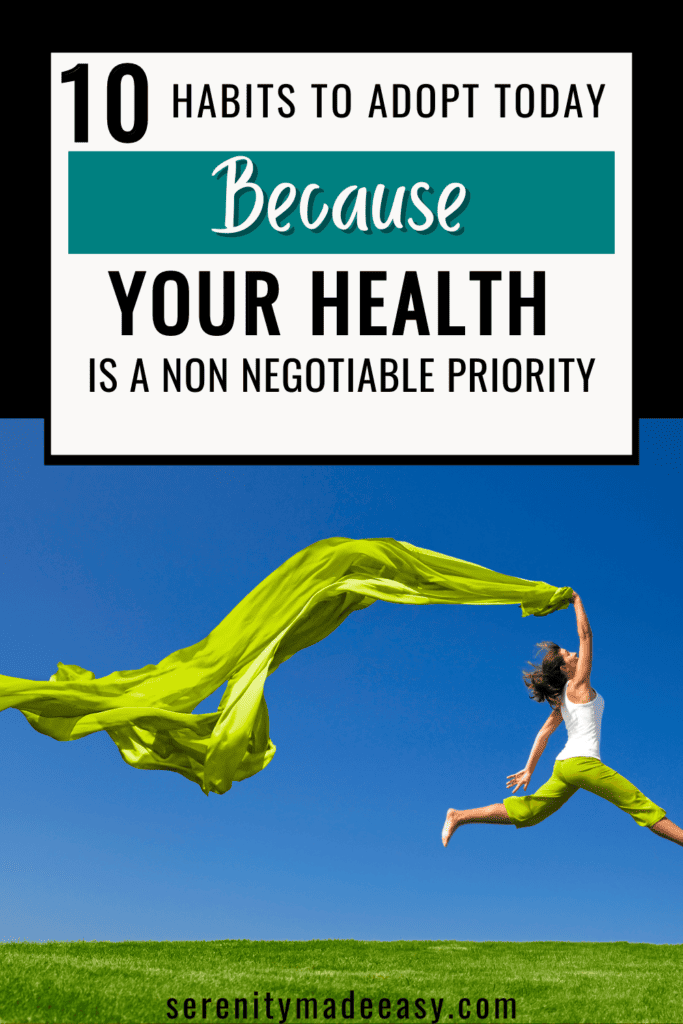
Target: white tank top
[{"x": 583, "y": 727}]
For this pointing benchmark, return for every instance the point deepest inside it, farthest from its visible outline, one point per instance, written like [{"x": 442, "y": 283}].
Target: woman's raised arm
[{"x": 583, "y": 666}]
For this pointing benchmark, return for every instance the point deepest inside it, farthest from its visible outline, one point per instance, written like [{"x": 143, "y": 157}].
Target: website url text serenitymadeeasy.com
[{"x": 352, "y": 1007}]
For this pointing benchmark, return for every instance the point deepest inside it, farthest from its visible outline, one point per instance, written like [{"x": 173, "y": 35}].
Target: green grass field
[{"x": 438, "y": 982}]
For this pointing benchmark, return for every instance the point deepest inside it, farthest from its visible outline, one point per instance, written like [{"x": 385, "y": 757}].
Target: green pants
[{"x": 582, "y": 773}]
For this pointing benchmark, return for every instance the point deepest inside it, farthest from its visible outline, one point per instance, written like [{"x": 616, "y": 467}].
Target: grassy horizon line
[{"x": 425, "y": 981}]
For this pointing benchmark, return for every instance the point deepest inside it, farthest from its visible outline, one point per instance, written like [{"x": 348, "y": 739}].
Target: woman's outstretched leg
[
  {"x": 668, "y": 830},
  {"x": 494, "y": 814}
]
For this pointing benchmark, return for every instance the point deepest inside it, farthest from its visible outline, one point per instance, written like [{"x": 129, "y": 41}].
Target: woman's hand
[{"x": 519, "y": 779}]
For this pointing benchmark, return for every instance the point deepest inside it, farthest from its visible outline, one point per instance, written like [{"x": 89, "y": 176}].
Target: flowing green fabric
[{"x": 148, "y": 711}]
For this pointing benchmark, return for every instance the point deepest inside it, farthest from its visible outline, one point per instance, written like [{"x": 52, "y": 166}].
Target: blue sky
[{"x": 399, "y": 714}]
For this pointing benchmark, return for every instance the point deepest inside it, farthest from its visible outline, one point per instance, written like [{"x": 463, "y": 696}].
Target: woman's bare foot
[{"x": 450, "y": 825}]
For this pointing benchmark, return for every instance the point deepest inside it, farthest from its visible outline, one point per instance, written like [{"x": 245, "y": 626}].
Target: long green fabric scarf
[{"x": 148, "y": 711}]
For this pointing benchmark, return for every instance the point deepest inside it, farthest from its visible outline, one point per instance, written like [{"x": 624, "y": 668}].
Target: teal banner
[{"x": 436, "y": 202}]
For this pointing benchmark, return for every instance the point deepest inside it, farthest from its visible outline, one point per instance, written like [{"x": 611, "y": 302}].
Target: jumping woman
[{"x": 563, "y": 679}]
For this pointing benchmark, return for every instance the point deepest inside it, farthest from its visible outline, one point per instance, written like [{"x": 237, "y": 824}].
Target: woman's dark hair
[{"x": 547, "y": 680}]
